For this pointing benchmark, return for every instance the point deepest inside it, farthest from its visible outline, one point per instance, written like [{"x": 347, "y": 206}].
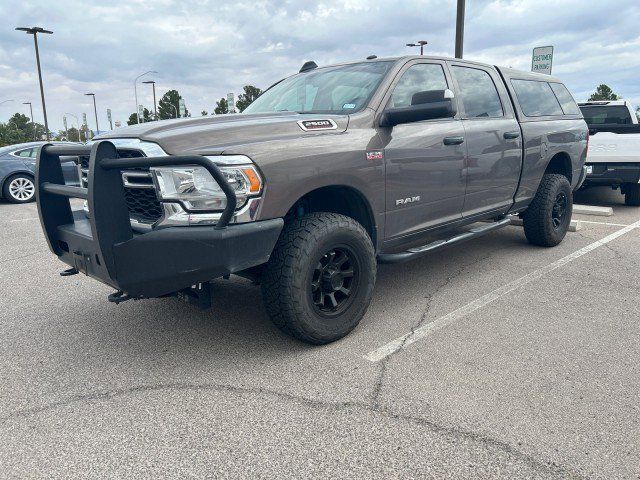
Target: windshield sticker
[
  {"x": 313, "y": 125},
  {"x": 349, "y": 106}
]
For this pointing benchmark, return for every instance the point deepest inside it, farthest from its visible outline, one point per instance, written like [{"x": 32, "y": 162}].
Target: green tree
[
  {"x": 245, "y": 99},
  {"x": 19, "y": 129},
  {"x": 146, "y": 117},
  {"x": 603, "y": 92},
  {"x": 222, "y": 107},
  {"x": 204, "y": 113},
  {"x": 638, "y": 113},
  {"x": 169, "y": 105}
]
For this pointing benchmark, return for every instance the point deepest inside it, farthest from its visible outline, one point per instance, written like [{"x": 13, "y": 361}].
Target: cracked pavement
[{"x": 543, "y": 383}]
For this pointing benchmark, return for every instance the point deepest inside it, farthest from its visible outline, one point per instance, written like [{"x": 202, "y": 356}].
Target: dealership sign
[{"x": 542, "y": 60}]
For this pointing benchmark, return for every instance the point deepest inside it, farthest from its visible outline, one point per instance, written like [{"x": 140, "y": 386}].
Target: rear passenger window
[
  {"x": 423, "y": 77},
  {"x": 24, "y": 153},
  {"x": 536, "y": 98},
  {"x": 478, "y": 93},
  {"x": 568, "y": 104}
]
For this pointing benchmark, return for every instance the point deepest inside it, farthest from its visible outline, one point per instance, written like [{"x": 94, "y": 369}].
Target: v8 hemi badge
[{"x": 313, "y": 125}]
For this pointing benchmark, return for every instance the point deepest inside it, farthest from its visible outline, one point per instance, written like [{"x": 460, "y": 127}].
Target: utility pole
[
  {"x": 95, "y": 110},
  {"x": 33, "y": 124},
  {"x": 419, "y": 43},
  {"x": 155, "y": 107},
  {"x": 460, "y": 29},
  {"x": 35, "y": 31}
]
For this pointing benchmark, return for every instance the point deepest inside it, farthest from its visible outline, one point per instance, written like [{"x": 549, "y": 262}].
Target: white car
[{"x": 614, "y": 147}]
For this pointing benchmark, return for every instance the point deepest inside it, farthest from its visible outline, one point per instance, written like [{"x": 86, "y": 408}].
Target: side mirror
[{"x": 429, "y": 105}]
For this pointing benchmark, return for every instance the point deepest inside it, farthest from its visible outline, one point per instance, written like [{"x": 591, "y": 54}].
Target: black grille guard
[{"x": 145, "y": 265}]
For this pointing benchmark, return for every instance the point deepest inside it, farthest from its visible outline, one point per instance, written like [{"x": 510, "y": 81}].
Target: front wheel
[
  {"x": 319, "y": 280},
  {"x": 19, "y": 188},
  {"x": 632, "y": 194},
  {"x": 547, "y": 219}
]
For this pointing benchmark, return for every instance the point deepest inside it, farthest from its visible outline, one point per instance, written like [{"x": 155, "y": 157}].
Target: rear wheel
[
  {"x": 319, "y": 280},
  {"x": 547, "y": 219},
  {"x": 19, "y": 188},
  {"x": 632, "y": 194}
]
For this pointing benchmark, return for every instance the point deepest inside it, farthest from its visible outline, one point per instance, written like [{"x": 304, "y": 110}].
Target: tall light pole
[
  {"x": 460, "y": 29},
  {"x": 77, "y": 123},
  {"x": 32, "y": 122},
  {"x": 176, "y": 109},
  {"x": 135, "y": 90},
  {"x": 155, "y": 108},
  {"x": 35, "y": 31},
  {"x": 419, "y": 43},
  {"x": 95, "y": 110}
]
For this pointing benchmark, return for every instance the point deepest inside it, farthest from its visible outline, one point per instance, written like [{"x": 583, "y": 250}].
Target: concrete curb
[{"x": 592, "y": 210}]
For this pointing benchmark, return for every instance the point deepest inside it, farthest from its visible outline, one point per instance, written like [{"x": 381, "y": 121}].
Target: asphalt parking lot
[{"x": 523, "y": 363}]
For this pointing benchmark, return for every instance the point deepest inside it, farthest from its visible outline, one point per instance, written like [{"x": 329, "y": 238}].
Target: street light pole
[
  {"x": 32, "y": 122},
  {"x": 460, "y": 28},
  {"x": 419, "y": 43},
  {"x": 155, "y": 108},
  {"x": 35, "y": 31},
  {"x": 95, "y": 110},
  {"x": 135, "y": 90}
]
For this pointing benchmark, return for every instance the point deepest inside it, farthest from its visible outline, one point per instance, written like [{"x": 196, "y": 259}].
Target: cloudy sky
[{"x": 206, "y": 48}]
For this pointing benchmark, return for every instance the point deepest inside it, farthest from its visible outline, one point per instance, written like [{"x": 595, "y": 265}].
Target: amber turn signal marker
[{"x": 254, "y": 180}]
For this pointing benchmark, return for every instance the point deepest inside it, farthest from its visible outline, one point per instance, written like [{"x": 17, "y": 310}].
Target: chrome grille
[{"x": 139, "y": 192}]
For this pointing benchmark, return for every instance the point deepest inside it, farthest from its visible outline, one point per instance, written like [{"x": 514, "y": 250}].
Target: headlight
[{"x": 197, "y": 190}]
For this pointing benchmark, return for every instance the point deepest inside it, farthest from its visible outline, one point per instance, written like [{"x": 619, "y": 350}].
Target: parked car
[
  {"x": 326, "y": 172},
  {"x": 17, "y": 171},
  {"x": 614, "y": 153}
]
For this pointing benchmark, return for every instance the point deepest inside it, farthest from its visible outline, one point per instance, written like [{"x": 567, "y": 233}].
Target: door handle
[
  {"x": 511, "y": 135},
  {"x": 453, "y": 140}
]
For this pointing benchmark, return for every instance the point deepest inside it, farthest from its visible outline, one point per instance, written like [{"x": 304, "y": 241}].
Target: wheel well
[
  {"x": 561, "y": 164},
  {"x": 337, "y": 199}
]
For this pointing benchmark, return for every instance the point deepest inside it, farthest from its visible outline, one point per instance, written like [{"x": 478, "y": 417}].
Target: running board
[{"x": 420, "y": 251}]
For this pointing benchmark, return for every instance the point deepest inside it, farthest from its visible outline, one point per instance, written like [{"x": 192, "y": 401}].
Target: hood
[{"x": 217, "y": 133}]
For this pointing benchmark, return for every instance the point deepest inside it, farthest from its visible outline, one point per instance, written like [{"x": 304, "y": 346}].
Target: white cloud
[{"x": 206, "y": 48}]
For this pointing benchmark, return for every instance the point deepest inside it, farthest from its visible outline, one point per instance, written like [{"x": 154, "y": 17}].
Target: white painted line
[
  {"x": 421, "y": 332},
  {"x": 593, "y": 210},
  {"x": 22, "y": 219},
  {"x": 574, "y": 226}
]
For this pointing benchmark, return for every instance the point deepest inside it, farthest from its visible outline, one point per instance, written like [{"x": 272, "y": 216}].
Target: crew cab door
[
  {"x": 492, "y": 136},
  {"x": 424, "y": 160}
]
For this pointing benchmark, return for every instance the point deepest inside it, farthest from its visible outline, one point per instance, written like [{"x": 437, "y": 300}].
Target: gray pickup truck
[{"x": 329, "y": 172}]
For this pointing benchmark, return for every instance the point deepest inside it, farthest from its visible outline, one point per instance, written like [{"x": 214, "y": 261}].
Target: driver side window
[{"x": 423, "y": 77}]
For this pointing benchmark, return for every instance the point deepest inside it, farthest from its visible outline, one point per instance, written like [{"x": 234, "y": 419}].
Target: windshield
[
  {"x": 340, "y": 90},
  {"x": 606, "y": 114}
]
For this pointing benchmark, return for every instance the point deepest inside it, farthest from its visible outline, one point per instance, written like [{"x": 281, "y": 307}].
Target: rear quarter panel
[
  {"x": 10, "y": 165},
  {"x": 543, "y": 139}
]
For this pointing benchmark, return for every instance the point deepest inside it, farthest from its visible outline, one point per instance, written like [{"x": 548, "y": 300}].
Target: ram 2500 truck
[
  {"x": 329, "y": 172},
  {"x": 614, "y": 153}
]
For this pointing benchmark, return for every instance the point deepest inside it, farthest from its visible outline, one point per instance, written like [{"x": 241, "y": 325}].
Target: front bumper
[
  {"x": 613, "y": 174},
  {"x": 147, "y": 265}
]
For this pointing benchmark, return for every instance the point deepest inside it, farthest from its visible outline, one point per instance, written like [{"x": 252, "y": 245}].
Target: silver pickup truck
[
  {"x": 329, "y": 172},
  {"x": 614, "y": 153}
]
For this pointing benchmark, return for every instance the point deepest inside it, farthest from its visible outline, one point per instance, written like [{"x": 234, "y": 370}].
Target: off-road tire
[
  {"x": 11, "y": 195},
  {"x": 288, "y": 276},
  {"x": 538, "y": 219},
  {"x": 632, "y": 194}
]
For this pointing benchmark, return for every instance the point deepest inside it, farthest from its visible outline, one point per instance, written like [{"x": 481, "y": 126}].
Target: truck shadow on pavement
[{"x": 237, "y": 323}]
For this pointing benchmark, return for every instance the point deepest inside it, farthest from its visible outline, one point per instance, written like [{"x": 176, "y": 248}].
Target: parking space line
[
  {"x": 421, "y": 332},
  {"x": 22, "y": 219}
]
